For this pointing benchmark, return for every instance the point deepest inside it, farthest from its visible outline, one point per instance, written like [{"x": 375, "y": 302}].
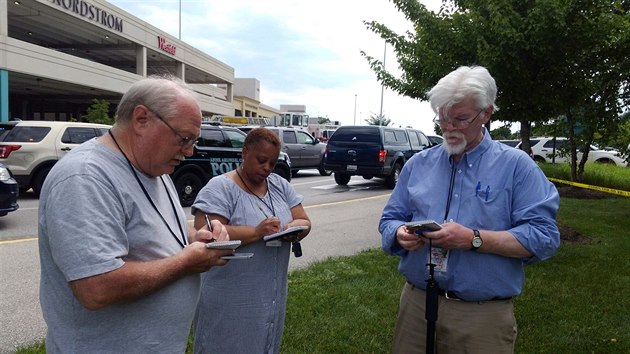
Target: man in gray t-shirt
[{"x": 119, "y": 263}]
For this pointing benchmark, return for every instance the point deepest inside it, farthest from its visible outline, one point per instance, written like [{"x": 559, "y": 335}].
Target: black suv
[
  {"x": 218, "y": 150},
  {"x": 372, "y": 151}
]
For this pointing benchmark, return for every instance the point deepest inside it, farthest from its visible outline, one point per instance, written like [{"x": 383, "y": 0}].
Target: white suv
[
  {"x": 543, "y": 151},
  {"x": 31, "y": 148}
]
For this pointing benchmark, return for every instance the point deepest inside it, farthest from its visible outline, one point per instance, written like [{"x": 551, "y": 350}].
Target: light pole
[
  {"x": 180, "y": 20},
  {"x": 355, "y": 109}
]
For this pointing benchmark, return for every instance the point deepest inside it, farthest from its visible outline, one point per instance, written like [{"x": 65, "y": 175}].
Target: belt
[{"x": 451, "y": 295}]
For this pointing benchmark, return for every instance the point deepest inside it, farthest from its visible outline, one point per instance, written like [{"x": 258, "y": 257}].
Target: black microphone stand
[{"x": 431, "y": 310}]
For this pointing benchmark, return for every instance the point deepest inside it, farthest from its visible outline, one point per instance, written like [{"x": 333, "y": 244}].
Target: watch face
[{"x": 476, "y": 242}]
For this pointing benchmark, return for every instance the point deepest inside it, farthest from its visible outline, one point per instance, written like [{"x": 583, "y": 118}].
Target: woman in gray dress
[{"x": 242, "y": 304}]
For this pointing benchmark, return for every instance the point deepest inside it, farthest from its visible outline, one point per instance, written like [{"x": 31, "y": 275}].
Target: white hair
[{"x": 462, "y": 83}]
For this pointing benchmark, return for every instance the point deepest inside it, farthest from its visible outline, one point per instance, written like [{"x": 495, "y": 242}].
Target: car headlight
[{"x": 4, "y": 174}]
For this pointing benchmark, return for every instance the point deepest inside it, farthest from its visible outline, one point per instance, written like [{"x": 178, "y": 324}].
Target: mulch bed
[
  {"x": 568, "y": 234},
  {"x": 567, "y": 191}
]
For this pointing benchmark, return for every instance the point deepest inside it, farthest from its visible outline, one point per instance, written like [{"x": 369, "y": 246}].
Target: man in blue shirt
[{"x": 498, "y": 211}]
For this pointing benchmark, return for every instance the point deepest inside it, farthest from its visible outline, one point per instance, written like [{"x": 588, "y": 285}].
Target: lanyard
[
  {"x": 183, "y": 242},
  {"x": 271, "y": 208}
]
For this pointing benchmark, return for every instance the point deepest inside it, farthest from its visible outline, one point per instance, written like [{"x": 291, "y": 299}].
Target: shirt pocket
[{"x": 490, "y": 208}]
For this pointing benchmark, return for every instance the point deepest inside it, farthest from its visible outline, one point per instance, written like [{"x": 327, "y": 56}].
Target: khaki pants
[{"x": 462, "y": 327}]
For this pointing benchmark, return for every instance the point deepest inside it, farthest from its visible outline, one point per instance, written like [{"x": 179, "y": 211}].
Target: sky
[{"x": 302, "y": 52}]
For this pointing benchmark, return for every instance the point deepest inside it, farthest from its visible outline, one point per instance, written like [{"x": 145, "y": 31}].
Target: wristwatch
[{"x": 476, "y": 240}]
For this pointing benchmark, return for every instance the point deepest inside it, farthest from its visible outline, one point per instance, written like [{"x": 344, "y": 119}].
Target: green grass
[
  {"x": 343, "y": 305},
  {"x": 579, "y": 301},
  {"x": 575, "y": 302},
  {"x": 597, "y": 174}
]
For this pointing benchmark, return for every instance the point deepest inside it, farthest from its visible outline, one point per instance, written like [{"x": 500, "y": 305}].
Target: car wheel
[
  {"x": 283, "y": 172},
  {"x": 342, "y": 179},
  {"x": 38, "y": 180},
  {"x": 188, "y": 185},
  {"x": 391, "y": 180},
  {"x": 322, "y": 171}
]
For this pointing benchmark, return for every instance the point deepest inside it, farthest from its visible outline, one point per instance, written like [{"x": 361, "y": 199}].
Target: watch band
[{"x": 476, "y": 241}]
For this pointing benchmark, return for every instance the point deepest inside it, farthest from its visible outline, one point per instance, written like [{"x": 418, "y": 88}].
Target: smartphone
[
  {"x": 238, "y": 256},
  {"x": 223, "y": 245},
  {"x": 424, "y": 225}
]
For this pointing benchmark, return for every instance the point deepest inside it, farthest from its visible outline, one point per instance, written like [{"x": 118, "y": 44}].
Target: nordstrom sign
[{"x": 92, "y": 13}]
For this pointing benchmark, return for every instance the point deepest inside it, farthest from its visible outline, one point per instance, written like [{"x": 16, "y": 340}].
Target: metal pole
[
  {"x": 383, "y": 86},
  {"x": 355, "y": 109},
  {"x": 180, "y": 20}
]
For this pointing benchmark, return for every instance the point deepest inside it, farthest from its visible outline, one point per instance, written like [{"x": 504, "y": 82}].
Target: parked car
[
  {"x": 303, "y": 149},
  {"x": 435, "y": 139},
  {"x": 372, "y": 151},
  {"x": 9, "y": 191},
  {"x": 326, "y": 134},
  {"x": 218, "y": 150},
  {"x": 31, "y": 148},
  {"x": 543, "y": 151},
  {"x": 512, "y": 143}
]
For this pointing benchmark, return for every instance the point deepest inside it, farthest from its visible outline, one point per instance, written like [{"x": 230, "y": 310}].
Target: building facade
[
  {"x": 57, "y": 56},
  {"x": 247, "y": 100}
]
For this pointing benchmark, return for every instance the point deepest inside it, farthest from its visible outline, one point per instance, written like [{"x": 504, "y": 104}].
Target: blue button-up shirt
[{"x": 495, "y": 187}]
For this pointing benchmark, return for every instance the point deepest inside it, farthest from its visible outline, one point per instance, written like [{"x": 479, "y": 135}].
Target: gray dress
[{"x": 242, "y": 304}]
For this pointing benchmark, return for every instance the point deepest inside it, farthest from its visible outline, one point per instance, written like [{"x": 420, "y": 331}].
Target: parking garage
[{"x": 57, "y": 56}]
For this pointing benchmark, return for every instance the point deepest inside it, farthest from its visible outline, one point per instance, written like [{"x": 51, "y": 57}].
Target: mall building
[{"x": 57, "y": 56}]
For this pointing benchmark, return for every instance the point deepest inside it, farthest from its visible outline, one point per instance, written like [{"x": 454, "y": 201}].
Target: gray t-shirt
[
  {"x": 242, "y": 304},
  {"x": 93, "y": 217}
]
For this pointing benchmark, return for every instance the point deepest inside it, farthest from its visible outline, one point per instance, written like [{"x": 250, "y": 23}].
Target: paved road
[{"x": 339, "y": 228}]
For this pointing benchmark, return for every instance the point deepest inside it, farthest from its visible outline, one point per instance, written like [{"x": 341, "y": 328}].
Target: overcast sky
[{"x": 302, "y": 52}]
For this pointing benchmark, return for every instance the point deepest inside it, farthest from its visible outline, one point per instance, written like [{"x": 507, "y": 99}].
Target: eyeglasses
[
  {"x": 458, "y": 122},
  {"x": 184, "y": 141}
]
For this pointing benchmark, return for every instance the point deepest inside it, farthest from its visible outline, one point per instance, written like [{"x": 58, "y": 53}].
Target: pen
[
  {"x": 478, "y": 188},
  {"x": 209, "y": 226},
  {"x": 487, "y": 192}
]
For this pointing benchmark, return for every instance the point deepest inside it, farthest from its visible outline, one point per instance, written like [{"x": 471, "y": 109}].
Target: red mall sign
[{"x": 167, "y": 47}]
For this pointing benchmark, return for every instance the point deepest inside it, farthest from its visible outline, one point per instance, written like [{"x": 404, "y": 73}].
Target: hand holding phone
[{"x": 423, "y": 226}]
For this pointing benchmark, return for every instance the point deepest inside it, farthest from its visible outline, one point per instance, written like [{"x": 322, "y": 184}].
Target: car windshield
[
  {"x": 26, "y": 134},
  {"x": 365, "y": 135},
  {"x": 5, "y": 128},
  {"x": 511, "y": 143}
]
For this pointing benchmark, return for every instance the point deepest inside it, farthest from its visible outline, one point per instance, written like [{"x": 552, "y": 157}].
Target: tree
[
  {"x": 502, "y": 133},
  {"x": 378, "y": 119},
  {"x": 323, "y": 120},
  {"x": 550, "y": 58},
  {"x": 98, "y": 112}
]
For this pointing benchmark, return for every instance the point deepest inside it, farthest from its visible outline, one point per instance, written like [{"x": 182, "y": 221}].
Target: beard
[{"x": 454, "y": 149}]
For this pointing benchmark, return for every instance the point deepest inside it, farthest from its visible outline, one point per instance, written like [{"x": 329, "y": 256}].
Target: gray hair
[
  {"x": 462, "y": 83},
  {"x": 158, "y": 93}
]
